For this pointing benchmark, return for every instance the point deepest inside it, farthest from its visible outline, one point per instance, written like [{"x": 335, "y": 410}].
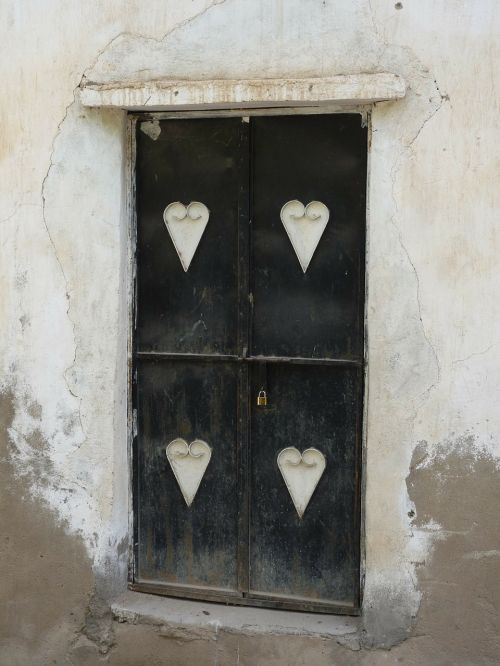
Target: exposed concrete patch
[
  {"x": 46, "y": 572},
  {"x": 458, "y": 488},
  {"x": 142, "y": 644},
  {"x": 52, "y": 606},
  {"x": 98, "y": 627},
  {"x": 193, "y": 620}
]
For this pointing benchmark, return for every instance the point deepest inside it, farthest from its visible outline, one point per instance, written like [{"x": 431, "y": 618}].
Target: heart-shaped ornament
[
  {"x": 301, "y": 473},
  {"x": 305, "y": 226},
  {"x": 189, "y": 463},
  {"x": 186, "y": 225}
]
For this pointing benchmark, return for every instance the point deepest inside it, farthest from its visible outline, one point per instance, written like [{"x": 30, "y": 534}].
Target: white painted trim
[{"x": 244, "y": 93}]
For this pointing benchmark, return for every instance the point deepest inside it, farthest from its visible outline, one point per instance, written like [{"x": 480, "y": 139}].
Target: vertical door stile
[
  {"x": 243, "y": 435},
  {"x": 308, "y": 225},
  {"x": 357, "y": 483},
  {"x": 358, "y": 511},
  {"x": 187, "y": 519}
]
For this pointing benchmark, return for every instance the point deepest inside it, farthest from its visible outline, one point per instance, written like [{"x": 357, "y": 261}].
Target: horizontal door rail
[
  {"x": 251, "y": 599},
  {"x": 299, "y": 360},
  {"x": 174, "y": 356}
]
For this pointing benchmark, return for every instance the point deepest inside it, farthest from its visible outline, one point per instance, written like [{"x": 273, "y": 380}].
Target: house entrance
[{"x": 248, "y": 359}]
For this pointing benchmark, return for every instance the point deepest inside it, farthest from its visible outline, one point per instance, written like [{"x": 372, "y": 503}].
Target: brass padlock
[{"x": 262, "y": 398}]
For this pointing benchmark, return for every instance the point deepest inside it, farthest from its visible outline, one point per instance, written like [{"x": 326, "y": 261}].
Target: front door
[{"x": 248, "y": 359}]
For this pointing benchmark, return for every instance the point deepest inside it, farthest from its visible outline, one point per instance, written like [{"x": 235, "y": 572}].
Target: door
[{"x": 248, "y": 359}]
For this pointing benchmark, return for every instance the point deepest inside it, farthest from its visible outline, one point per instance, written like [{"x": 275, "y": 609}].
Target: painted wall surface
[{"x": 432, "y": 589}]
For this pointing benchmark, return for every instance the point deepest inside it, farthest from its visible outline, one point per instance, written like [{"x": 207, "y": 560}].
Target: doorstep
[{"x": 199, "y": 619}]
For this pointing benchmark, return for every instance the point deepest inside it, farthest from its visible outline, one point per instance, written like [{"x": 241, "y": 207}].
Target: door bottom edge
[{"x": 250, "y": 599}]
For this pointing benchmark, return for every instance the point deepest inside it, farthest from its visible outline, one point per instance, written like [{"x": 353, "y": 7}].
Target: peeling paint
[
  {"x": 39, "y": 557},
  {"x": 460, "y": 490},
  {"x": 152, "y": 128}
]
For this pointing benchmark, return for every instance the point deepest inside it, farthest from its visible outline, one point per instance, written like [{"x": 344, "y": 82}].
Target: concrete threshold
[{"x": 198, "y": 619}]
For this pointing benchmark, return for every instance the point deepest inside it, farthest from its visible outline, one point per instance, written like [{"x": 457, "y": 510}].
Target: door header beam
[{"x": 345, "y": 89}]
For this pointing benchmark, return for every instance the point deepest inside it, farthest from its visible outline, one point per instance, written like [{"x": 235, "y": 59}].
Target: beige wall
[{"x": 433, "y": 423}]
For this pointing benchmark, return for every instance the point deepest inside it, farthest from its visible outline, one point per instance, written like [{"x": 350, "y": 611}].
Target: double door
[{"x": 248, "y": 359}]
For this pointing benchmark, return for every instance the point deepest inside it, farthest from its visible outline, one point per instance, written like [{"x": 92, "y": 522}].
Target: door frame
[{"x": 130, "y": 176}]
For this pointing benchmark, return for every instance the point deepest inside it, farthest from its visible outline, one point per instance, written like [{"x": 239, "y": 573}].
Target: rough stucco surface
[
  {"x": 46, "y": 572},
  {"x": 433, "y": 423}
]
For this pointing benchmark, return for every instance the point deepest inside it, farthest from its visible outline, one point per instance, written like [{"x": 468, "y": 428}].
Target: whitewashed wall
[{"x": 433, "y": 246}]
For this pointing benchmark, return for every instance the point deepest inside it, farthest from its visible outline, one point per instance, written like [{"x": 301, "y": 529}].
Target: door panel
[
  {"x": 245, "y": 317},
  {"x": 316, "y": 556},
  {"x": 319, "y": 313},
  {"x": 183, "y": 545},
  {"x": 193, "y": 311}
]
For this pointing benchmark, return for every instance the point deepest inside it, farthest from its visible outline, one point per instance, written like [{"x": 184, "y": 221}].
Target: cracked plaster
[{"x": 432, "y": 248}]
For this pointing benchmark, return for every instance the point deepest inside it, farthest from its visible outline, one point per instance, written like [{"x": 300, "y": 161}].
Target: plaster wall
[{"x": 433, "y": 423}]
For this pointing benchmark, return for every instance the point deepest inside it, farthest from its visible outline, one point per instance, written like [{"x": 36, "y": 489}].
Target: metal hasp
[
  {"x": 186, "y": 225},
  {"x": 249, "y": 363},
  {"x": 301, "y": 473},
  {"x": 305, "y": 226}
]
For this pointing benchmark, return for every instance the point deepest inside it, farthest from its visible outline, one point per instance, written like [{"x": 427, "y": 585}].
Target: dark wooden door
[{"x": 248, "y": 316}]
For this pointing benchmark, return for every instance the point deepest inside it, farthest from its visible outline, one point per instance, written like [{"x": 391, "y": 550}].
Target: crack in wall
[
  {"x": 376, "y": 30},
  {"x": 478, "y": 353},
  {"x": 17, "y": 208},
  {"x": 384, "y": 44},
  {"x": 425, "y": 394},
  {"x": 427, "y": 120},
  {"x": 397, "y": 163},
  {"x": 418, "y": 298},
  {"x": 147, "y": 38},
  {"x": 61, "y": 267},
  {"x": 83, "y": 79}
]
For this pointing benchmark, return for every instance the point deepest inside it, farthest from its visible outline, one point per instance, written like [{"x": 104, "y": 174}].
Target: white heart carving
[
  {"x": 301, "y": 473},
  {"x": 189, "y": 463},
  {"x": 304, "y": 226},
  {"x": 186, "y": 226}
]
